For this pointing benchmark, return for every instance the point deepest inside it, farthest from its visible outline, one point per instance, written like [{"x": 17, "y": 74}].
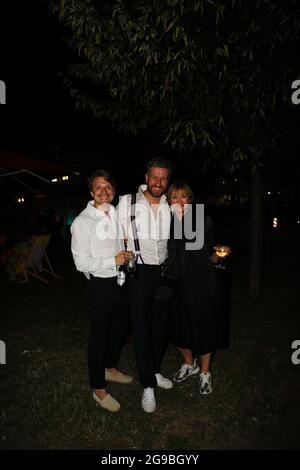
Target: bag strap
[{"x": 137, "y": 247}]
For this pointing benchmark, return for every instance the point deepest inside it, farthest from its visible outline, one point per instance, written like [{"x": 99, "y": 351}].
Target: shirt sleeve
[{"x": 80, "y": 247}]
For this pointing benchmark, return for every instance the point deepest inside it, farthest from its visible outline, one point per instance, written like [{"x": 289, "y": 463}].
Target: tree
[{"x": 209, "y": 75}]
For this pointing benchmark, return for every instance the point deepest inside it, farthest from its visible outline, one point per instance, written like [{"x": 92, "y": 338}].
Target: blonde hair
[{"x": 180, "y": 186}]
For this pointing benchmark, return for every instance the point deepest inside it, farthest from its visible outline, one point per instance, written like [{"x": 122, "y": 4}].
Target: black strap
[{"x": 134, "y": 230}]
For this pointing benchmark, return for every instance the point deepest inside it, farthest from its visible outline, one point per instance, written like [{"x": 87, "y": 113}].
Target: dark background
[{"x": 40, "y": 120}]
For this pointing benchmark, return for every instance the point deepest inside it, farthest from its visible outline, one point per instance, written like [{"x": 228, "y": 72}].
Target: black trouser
[
  {"x": 108, "y": 313},
  {"x": 149, "y": 323}
]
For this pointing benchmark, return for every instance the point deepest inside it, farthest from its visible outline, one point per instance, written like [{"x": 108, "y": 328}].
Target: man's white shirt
[
  {"x": 153, "y": 226},
  {"x": 95, "y": 242}
]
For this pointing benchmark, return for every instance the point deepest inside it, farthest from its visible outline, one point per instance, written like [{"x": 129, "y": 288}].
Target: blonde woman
[{"x": 196, "y": 312}]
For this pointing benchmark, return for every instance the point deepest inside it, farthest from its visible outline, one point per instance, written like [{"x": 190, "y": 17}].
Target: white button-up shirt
[
  {"x": 95, "y": 242},
  {"x": 153, "y": 226}
]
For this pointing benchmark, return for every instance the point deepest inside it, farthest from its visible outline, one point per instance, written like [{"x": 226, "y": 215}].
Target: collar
[{"x": 97, "y": 213}]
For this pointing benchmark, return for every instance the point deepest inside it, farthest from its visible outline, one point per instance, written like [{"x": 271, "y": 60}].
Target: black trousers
[
  {"x": 149, "y": 323},
  {"x": 108, "y": 315}
]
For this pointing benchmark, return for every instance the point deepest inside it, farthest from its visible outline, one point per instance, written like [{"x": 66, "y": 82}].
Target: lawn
[{"x": 45, "y": 398}]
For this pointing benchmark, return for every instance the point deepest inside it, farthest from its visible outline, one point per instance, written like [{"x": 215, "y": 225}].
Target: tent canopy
[
  {"x": 10, "y": 161},
  {"x": 18, "y": 171}
]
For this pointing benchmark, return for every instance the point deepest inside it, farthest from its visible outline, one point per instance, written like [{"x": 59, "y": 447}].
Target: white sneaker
[
  {"x": 186, "y": 371},
  {"x": 163, "y": 382},
  {"x": 148, "y": 400},
  {"x": 205, "y": 383}
]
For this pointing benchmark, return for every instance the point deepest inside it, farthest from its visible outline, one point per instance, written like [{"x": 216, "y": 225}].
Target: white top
[
  {"x": 152, "y": 223},
  {"x": 95, "y": 242}
]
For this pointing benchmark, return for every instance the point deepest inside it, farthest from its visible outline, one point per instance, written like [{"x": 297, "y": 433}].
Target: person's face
[
  {"x": 157, "y": 180},
  {"x": 180, "y": 198},
  {"x": 102, "y": 191}
]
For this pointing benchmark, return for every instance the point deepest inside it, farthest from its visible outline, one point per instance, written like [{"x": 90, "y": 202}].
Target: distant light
[
  {"x": 278, "y": 192},
  {"x": 21, "y": 199},
  {"x": 269, "y": 192},
  {"x": 235, "y": 179},
  {"x": 54, "y": 180},
  {"x": 298, "y": 221},
  {"x": 65, "y": 178},
  {"x": 223, "y": 182},
  {"x": 275, "y": 222}
]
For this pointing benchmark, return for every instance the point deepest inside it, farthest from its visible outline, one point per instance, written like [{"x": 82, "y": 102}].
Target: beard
[{"x": 156, "y": 193}]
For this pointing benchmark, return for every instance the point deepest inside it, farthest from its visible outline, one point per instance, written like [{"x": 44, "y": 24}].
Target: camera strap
[{"x": 137, "y": 247}]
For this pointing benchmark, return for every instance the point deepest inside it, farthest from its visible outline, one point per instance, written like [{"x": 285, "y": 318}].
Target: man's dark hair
[
  {"x": 160, "y": 163},
  {"x": 104, "y": 175}
]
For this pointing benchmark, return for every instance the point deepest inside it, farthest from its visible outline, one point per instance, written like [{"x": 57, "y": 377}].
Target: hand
[
  {"x": 123, "y": 257},
  {"x": 130, "y": 255}
]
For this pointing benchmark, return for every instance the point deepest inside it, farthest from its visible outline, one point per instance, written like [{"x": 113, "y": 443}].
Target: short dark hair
[
  {"x": 160, "y": 163},
  {"x": 104, "y": 174}
]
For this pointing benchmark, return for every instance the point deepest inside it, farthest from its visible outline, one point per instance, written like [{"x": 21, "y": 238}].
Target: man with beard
[{"x": 148, "y": 236}]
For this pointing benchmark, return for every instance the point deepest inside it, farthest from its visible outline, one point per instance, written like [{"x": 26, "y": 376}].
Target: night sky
[
  {"x": 40, "y": 119},
  {"x": 34, "y": 54}
]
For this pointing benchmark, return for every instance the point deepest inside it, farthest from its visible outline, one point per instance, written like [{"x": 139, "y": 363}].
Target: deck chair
[{"x": 37, "y": 262}]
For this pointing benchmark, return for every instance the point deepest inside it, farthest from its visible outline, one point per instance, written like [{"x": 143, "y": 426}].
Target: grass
[{"x": 45, "y": 398}]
